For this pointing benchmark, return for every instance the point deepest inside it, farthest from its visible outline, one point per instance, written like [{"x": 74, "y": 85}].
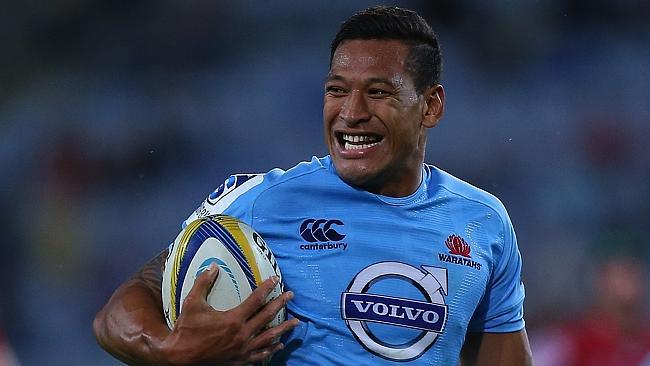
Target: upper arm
[
  {"x": 496, "y": 333},
  {"x": 150, "y": 275},
  {"x": 510, "y": 349},
  {"x": 501, "y": 308},
  {"x": 133, "y": 318}
]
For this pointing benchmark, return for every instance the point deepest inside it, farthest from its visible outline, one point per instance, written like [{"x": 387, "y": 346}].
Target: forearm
[{"x": 131, "y": 325}]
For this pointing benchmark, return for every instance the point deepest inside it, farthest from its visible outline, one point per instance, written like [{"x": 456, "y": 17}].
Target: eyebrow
[
  {"x": 368, "y": 81},
  {"x": 331, "y": 77}
]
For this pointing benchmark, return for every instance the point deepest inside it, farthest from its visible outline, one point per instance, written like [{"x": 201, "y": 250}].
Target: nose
[{"x": 355, "y": 109}]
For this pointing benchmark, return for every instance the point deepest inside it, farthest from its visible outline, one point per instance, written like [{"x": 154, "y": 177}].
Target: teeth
[
  {"x": 357, "y": 138},
  {"x": 358, "y": 142},
  {"x": 349, "y": 146}
]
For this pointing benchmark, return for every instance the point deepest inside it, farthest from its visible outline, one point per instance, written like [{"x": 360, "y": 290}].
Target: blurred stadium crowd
[{"x": 118, "y": 117}]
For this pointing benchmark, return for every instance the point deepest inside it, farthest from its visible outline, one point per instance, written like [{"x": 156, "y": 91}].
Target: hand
[{"x": 203, "y": 335}]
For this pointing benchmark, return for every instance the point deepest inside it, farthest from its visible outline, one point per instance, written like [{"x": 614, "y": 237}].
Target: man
[{"x": 391, "y": 260}]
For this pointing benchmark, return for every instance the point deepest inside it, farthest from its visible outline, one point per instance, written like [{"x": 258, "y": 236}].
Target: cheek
[
  {"x": 405, "y": 131},
  {"x": 330, "y": 111},
  {"x": 328, "y": 121}
]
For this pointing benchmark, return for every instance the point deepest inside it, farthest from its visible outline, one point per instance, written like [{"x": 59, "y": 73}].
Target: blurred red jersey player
[{"x": 616, "y": 330}]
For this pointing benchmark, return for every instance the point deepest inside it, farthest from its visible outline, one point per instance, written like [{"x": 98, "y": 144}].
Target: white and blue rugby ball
[{"x": 243, "y": 258}]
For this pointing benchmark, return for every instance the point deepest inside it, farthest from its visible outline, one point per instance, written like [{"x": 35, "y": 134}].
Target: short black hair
[{"x": 424, "y": 61}]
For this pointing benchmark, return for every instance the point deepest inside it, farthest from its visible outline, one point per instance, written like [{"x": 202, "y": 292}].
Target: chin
[{"x": 355, "y": 174}]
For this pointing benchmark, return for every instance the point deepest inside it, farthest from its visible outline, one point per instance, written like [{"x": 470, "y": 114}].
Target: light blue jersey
[{"x": 381, "y": 280}]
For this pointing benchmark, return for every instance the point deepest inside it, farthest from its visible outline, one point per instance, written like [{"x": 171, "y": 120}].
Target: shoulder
[
  {"x": 264, "y": 181},
  {"x": 304, "y": 170},
  {"x": 238, "y": 193},
  {"x": 466, "y": 193}
]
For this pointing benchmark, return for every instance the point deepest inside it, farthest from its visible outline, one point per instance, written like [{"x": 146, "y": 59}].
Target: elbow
[{"x": 99, "y": 328}]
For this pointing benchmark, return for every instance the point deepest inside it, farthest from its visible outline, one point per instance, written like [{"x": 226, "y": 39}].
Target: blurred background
[{"x": 117, "y": 118}]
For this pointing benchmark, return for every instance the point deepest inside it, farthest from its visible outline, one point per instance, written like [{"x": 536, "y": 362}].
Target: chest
[
  {"x": 396, "y": 280},
  {"x": 439, "y": 249}
]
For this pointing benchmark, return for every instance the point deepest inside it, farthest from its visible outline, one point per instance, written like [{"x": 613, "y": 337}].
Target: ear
[{"x": 434, "y": 105}]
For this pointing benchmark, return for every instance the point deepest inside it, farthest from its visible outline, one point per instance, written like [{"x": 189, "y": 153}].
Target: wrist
[
  {"x": 166, "y": 353},
  {"x": 159, "y": 348}
]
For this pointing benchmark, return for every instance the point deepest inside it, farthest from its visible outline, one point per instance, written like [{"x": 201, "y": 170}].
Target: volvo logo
[
  {"x": 359, "y": 307},
  {"x": 313, "y": 230}
]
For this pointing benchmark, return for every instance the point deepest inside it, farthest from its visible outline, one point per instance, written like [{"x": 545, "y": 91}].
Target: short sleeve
[
  {"x": 501, "y": 309},
  {"x": 233, "y": 198}
]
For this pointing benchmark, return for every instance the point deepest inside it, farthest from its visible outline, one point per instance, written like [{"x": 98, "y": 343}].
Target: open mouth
[{"x": 357, "y": 142}]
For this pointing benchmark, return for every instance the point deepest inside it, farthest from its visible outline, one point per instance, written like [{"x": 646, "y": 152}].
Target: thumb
[{"x": 203, "y": 283}]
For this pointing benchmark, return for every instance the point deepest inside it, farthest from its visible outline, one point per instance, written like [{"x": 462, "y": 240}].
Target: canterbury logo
[{"x": 314, "y": 230}]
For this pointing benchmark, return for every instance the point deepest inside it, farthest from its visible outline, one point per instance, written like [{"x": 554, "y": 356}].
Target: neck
[{"x": 399, "y": 186}]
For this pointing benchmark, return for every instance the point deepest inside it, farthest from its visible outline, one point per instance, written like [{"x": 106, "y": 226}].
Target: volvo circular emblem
[{"x": 359, "y": 307}]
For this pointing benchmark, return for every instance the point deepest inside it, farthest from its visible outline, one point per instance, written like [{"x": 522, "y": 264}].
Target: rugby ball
[{"x": 243, "y": 258}]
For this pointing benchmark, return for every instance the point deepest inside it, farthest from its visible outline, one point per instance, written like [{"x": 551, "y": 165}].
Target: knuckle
[
  {"x": 285, "y": 327},
  {"x": 191, "y": 300},
  {"x": 240, "y": 340},
  {"x": 267, "y": 287},
  {"x": 269, "y": 312},
  {"x": 258, "y": 298},
  {"x": 187, "y": 303},
  {"x": 232, "y": 324},
  {"x": 274, "y": 335},
  {"x": 263, "y": 293}
]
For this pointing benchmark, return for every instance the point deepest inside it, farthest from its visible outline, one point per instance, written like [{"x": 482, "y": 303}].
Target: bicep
[
  {"x": 133, "y": 316},
  {"x": 496, "y": 349},
  {"x": 139, "y": 297}
]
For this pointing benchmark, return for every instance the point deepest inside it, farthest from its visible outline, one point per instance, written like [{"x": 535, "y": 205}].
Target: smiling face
[{"x": 375, "y": 120}]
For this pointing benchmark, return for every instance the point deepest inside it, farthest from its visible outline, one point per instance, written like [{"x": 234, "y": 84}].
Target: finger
[
  {"x": 269, "y": 312},
  {"x": 203, "y": 283},
  {"x": 261, "y": 355},
  {"x": 257, "y": 298},
  {"x": 271, "y": 336}
]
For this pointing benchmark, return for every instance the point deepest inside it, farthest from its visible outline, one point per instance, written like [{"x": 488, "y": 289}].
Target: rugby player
[{"x": 387, "y": 260}]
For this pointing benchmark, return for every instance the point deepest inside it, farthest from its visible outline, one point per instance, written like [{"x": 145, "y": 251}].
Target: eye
[
  {"x": 378, "y": 93},
  {"x": 335, "y": 91}
]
